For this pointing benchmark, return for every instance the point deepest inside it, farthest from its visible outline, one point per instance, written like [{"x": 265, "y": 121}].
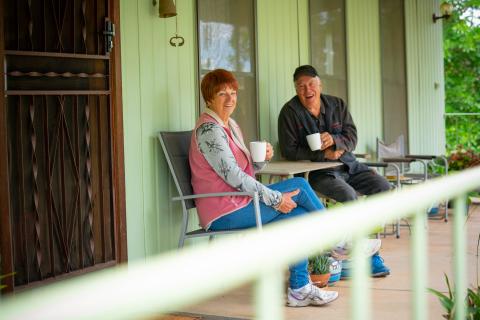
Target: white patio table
[{"x": 285, "y": 169}]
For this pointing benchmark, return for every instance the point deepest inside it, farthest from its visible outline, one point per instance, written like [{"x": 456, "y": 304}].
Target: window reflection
[
  {"x": 394, "y": 85},
  {"x": 328, "y": 44},
  {"x": 219, "y": 49},
  {"x": 226, "y": 40}
]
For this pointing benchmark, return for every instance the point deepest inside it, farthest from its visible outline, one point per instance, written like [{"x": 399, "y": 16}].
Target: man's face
[{"x": 308, "y": 90}]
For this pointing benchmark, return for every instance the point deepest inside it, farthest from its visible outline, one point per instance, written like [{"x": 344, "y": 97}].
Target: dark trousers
[{"x": 343, "y": 187}]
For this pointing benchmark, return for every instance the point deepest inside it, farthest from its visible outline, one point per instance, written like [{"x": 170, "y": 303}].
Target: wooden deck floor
[{"x": 390, "y": 296}]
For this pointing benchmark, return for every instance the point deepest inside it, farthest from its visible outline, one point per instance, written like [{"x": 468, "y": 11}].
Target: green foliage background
[{"x": 462, "y": 74}]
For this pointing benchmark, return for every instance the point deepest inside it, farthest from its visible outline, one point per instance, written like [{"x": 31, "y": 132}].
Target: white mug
[
  {"x": 314, "y": 141},
  {"x": 258, "y": 150}
]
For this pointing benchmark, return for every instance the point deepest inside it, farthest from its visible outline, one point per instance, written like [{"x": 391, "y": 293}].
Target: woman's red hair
[{"x": 215, "y": 81}]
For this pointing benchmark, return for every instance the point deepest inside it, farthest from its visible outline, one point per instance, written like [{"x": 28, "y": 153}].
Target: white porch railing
[{"x": 161, "y": 285}]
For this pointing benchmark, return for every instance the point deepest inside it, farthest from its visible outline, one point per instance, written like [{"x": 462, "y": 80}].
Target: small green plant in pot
[{"x": 319, "y": 267}]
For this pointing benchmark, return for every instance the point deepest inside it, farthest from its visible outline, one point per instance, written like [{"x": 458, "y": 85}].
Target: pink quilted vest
[{"x": 206, "y": 180}]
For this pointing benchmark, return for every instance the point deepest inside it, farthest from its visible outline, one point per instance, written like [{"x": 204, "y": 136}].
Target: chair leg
[
  {"x": 181, "y": 241},
  {"x": 446, "y": 211},
  {"x": 394, "y": 231},
  {"x": 184, "y": 227},
  {"x": 397, "y": 234}
]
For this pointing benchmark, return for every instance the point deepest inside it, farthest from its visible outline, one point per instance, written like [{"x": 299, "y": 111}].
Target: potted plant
[
  {"x": 319, "y": 267},
  {"x": 448, "y": 302}
]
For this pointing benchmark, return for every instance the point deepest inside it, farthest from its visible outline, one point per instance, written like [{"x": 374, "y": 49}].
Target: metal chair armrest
[
  {"x": 398, "y": 159},
  {"x": 421, "y": 157},
  {"x": 216, "y": 194},
  {"x": 376, "y": 164},
  {"x": 444, "y": 162},
  {"x": 254, "y": 195},
  {"x": 362, "y": 155}
]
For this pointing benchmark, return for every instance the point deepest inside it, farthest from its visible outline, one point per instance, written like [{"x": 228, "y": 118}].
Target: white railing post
[
  {"x": 459, "y": 256},
  {"x": 419, "y": 265},
  {"x": 269, "y": 299},
  {"x": 361, "y": 292}
]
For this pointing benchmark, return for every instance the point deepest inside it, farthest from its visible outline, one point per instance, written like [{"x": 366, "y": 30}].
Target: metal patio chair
[
  {"x": 175, "y": 146},
  {"x": 394, "y": 153}
]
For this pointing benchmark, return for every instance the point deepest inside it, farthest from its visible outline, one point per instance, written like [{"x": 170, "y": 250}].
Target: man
[{"x": 309, "y": 112}]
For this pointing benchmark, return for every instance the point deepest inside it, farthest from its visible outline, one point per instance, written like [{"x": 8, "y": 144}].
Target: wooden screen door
[{"x": 61, "y": 139}]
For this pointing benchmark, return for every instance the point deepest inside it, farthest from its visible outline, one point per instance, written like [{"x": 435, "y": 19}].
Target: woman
[{"x": 220, "y": 162}]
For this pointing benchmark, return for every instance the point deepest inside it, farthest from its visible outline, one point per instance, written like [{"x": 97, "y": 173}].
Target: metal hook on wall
[
  {"x": 167, "y": 9},
  {"x": 177, "y": 41}
]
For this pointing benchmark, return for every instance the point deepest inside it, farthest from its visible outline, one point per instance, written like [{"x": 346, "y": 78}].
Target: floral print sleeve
[{"x": 212, "y": 141}]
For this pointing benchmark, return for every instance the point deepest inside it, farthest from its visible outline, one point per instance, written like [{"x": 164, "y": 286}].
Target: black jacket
[{"x": 295, "y": 123}]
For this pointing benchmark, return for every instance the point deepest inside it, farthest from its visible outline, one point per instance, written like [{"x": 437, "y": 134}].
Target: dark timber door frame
[{"x": 62, "y": 186}]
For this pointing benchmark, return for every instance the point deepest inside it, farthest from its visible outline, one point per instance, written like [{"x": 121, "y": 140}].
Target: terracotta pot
[{"x": 320, "y": 280}]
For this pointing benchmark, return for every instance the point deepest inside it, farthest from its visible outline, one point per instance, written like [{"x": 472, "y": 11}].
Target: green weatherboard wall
[{"x": 160, "y": 92}]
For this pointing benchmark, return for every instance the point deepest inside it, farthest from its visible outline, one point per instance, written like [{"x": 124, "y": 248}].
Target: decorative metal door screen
[{"x": 58, "y": 109}]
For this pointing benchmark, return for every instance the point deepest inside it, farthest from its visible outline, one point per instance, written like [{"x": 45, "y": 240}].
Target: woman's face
[{"x": 224, "y": 102}]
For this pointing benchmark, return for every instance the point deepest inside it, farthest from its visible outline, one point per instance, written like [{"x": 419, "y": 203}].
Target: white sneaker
[
  {"x": 342, "y": 250},
  {"x": 309, "y": 295}
]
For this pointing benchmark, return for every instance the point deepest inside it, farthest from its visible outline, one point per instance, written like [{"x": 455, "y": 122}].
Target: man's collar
[{"x": 322, "y": 105}]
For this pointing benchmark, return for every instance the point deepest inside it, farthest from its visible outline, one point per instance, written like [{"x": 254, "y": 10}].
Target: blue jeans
[{"x": 307, "y": 201}]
